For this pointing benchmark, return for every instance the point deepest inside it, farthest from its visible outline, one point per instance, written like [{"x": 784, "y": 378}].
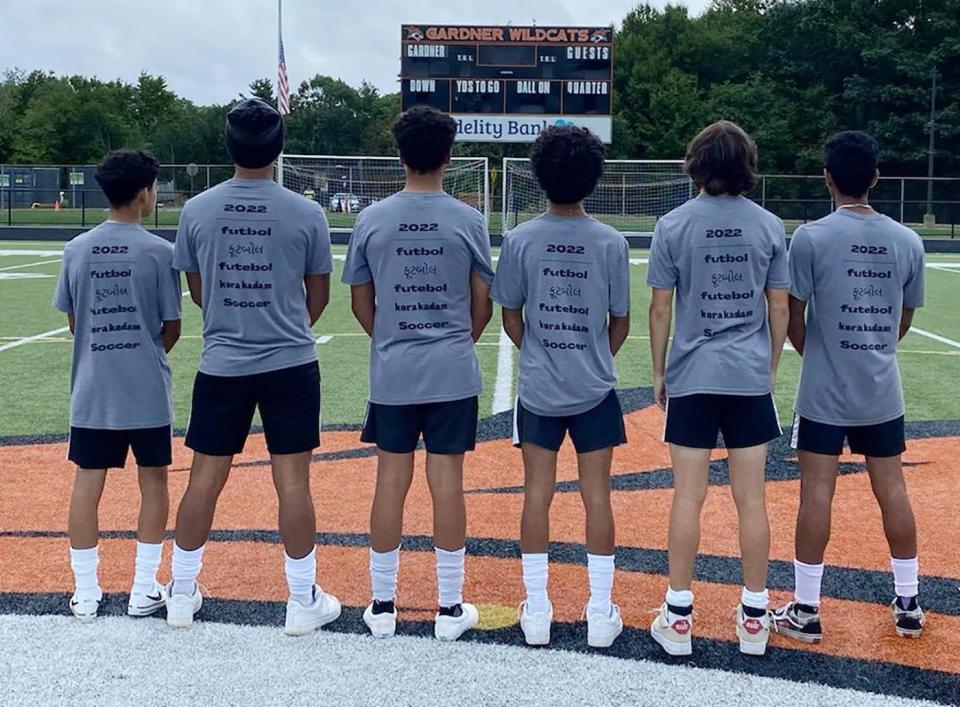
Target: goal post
[
  {"x": 631, "y": 196},
  {"x": 344, "y": 186}
]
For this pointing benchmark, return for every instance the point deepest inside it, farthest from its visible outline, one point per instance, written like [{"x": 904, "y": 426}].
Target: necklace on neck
[{"x": 855, "y": 206}]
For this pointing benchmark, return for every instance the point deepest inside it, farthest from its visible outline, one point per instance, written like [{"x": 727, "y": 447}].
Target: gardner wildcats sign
[{"x": 507, "y": 84}]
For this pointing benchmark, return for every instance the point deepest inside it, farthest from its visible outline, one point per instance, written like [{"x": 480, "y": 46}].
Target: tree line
[{"x": 791, "y": 72}]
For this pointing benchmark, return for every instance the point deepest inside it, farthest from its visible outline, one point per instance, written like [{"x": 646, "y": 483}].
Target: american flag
[{"x": 283, "y": 88}]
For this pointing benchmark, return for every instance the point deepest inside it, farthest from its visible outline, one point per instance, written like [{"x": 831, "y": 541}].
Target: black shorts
[
  {"x": 744, "y": 420},
  {"x": 887, "y": 439},
  {"x": 107, "y": 449},
  {"x": 223, "y": 408},
  {"x": 597, "y": 428},
  {"x": 447, "y": 428}
]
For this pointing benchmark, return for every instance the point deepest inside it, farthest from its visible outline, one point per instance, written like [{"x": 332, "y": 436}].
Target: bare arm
[
  {"x": 797, "y": 330},
  {"x": 481, "y": 307},
  {"x": 363, "y": 301},
  {"x": 778, "y": 312},
  {"x": 196, "y": 288},
  {"x": 318, "y": 295},
  {"x": 661, "y": 314},
  {"x": 906, "y": 321},
  {"x": 171, "y": 334},
  {"x": 513, "y": 325},
  {"x": 72, "y": 321},
  {"x": 619, "y": 330}
]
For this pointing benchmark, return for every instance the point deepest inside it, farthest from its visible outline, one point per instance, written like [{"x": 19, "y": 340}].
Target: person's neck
[
  {"x": 125, "y": 214},
  {"x": 566, "y": 210},
  {"x": 424, "y": 181},
  {"x": 260, "y": 173},
  {"x": 859, "y": 205}
]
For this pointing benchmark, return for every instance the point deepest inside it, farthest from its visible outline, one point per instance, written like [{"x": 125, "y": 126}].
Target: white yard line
[
  {"x": 503, "y": 388},
  {"x": 324, "y": 339},
  {"x": 37, "y": 337},
  {"x": 936, "y": 337},
  {"x": 24, "y": 276},
  {"x": 945, "y": 267},
  {"x": 30, "y": 265},
  {"x": 38, "y": 253}
]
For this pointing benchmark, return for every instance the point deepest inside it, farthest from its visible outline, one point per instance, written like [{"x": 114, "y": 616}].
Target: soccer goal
[
  {"x": 631, "y": 196},
  {"x": 344, "y": 186}
]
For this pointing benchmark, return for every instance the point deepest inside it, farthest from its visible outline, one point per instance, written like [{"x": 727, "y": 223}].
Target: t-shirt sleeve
[
  {"x": 62, "y": 297},
  {"x": 168, "y": 285},
  {"x": 480, "y": 246},
  {"x": 801, "y": 265},
  {"x": 778, "y": 276},
  {"x": 184, "y": 249},
  {"x": 356, "y": 269},
  {"x": 662, "y": 271},
  {"x": 319, "y": 256},
  {"x": 508, "y": 283},
  {"x": 620, "y": 280},
  {"x": 914, "y": 287}
]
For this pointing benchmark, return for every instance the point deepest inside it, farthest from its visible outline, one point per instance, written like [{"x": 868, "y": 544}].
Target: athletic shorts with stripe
[{"x": 744, "y": 420}]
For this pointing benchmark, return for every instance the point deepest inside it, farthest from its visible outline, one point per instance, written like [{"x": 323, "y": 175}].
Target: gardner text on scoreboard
[{"x": 506, "y": 84}]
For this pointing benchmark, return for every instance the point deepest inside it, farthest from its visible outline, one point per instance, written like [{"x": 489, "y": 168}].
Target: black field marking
[
  {"x": 799, "y": 666},
  {"x": 938, "y": 594}
]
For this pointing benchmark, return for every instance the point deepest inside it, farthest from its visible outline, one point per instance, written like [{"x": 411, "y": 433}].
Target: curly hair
[
  {"x": 424, "y": 137},
  {"x": 568, "y": 163},
  {"x": 852, "y": 158},
  {"x": 722, "y": 159},
  {"x": 124, "y": 173}
]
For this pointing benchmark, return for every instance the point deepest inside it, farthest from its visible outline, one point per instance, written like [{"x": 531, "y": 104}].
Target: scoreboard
[{"x": 506, "y": 84}]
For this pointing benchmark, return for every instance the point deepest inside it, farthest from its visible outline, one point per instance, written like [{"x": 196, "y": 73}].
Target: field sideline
[{"x": 51, "y": 658}]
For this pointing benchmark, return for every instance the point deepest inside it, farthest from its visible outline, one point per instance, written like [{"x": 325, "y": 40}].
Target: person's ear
[
  {"x": 829, "y": 180},
  {"x": 876, "y": 178},
  {"x": 447, "y": 158}
]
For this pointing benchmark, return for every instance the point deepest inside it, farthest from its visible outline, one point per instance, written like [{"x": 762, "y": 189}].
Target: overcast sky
[{"x": 210, "y": 50}]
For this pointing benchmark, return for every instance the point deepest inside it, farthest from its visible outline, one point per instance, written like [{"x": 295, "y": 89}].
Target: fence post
[
  {"x": 903, "y": 193},
  {"x": 83, "y": 208},
  {"x": 9, "y": 206},
  {"x": 763, "y": 191}
]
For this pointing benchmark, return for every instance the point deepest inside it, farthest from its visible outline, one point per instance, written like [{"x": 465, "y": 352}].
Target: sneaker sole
[
  {"x": 536, "y": 640},
  {"x": 798, "y": 636},
  {"x": 83, "y": 618},
  {"x": 379, "y": 633},
  {"x": 908, "y": 632},
  {"x": 452, "y": 637},
  {"x": 604, "y": 642},
  {"x": 672, "y": 647},
  {"x": 141, "y": 611},
  {"x": 307, "y": 630}
]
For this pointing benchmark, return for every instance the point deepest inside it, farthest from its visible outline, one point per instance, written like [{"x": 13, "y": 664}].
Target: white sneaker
[
  {"x": 602, "y": 630},
  {"x": 147, "y": 604},
  {"x": 536, "y": 627},
  {"x": 181, "y": 608},
  {"x": 382, "y": 625},
  {"x": 674, "y": 638},
  {"x": 86, "y": 609},
  {"x": 450, "y": 628},
  {"x": 753, "y": 632},
  {"x": 302, "y": 619}
]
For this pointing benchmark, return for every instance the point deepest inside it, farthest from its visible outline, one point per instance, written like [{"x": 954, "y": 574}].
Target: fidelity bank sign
[{"x": 525, "y": 128}]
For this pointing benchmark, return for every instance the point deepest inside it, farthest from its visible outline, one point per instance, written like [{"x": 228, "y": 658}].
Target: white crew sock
[
  {"x": 905, "y": 576},
  {"x": 450, "y": 576},
  {"x": 301, "y": 576},
  {"x": 755, "y": 600},
  {"x": 84, "y": 564},
  {"x": 600, "y": 573},
  {"x": 147, "y": 564},
  {"x": 535, "y": 575},
  {"x": 186, "y": 568},
  {"x": 807, "y": 580},
  {"x": 681, "y": 600},
  {"x": 384, "y": 567}
]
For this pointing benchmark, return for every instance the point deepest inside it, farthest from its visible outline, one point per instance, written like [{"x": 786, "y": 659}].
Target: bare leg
[
  {"x": 747, "y": 471},
  {"x": 154, "y": 504},
  {"x": 297, "y": 522},
  {"x": 690, "y": 474},
  {"x": 818, "y": 481},
  {"x": 83, "y": 524},
  {"x": 540, "y": 477},
  {"x": 886, "y": 478},
  {"x": 394, "y": 475},
  {"x": 594, "y": 468},
  {"x": 445, "y": 478},
  {"x": 199, "y": 502}
]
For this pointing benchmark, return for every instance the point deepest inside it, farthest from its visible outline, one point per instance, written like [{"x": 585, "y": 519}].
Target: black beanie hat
[{"x": 254, "y": 133}]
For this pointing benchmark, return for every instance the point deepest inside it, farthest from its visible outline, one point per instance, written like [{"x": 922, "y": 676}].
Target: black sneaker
[
  {"x": 908, "y": 617},
  {"x": 797, "y": 622}
]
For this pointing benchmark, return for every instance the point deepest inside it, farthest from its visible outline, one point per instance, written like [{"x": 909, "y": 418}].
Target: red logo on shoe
[
  {"x": 753, "y": 626},
  {"x": 681, "y": 626}
]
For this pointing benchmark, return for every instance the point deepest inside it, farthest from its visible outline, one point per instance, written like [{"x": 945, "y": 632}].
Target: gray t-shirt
[
  {"x": 568, "y": 274},
  {"x": 720, "y": 253},
  {"x": 252, "y": 241},
  {"x": 856, "y": 272},
  {"x": 420, "y": 249},
  {"x": 119, "y": 283}
]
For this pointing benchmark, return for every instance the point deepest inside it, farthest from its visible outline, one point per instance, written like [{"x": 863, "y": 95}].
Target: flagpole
[{"x": 279, "y": 49}]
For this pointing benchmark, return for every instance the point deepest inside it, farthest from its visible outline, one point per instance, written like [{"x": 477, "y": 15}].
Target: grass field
[{"x": 50, "y": 658}]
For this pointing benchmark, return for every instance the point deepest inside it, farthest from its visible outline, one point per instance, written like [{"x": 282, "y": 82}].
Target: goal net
[
  {"x": 344, "y": 186},
  {"x": 631, "y": 195}
]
